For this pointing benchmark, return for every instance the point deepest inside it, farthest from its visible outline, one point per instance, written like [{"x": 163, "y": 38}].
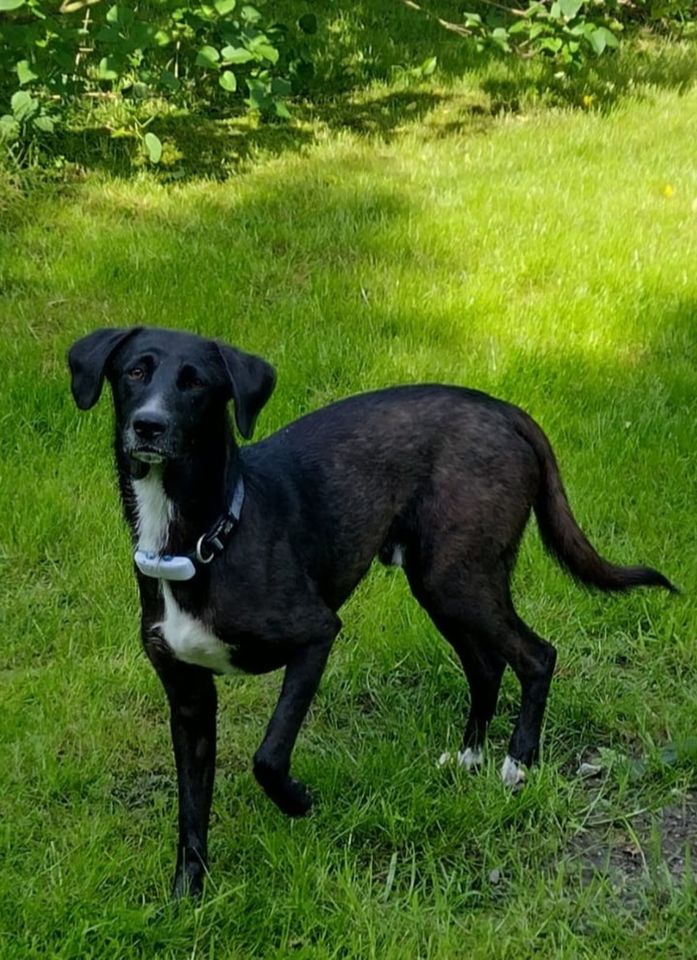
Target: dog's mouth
[{"x": 147, "y": 455}]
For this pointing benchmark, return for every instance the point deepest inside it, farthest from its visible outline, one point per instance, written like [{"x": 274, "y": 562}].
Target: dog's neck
[{"x": 172, "y": 504}]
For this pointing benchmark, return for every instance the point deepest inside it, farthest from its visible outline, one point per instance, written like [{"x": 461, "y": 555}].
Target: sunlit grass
[{"x": 539, "y": 258}]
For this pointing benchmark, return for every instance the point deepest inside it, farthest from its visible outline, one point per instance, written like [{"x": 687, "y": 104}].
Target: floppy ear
[
  {"x": 251, "y": 381},
  {"x": 88, "y": 358}
]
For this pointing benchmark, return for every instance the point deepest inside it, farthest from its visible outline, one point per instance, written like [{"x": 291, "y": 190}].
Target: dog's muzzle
[{"x": 147, "y": 456}]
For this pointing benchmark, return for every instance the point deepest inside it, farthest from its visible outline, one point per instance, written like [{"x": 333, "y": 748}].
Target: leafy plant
[
  {"x": 569, "y": 32},
  {"x": 24, "y": 128},
  {"x": 185, "y": 53}
]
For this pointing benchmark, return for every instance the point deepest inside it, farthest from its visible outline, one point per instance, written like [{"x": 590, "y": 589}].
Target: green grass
[{"x": 533, "y": 254}]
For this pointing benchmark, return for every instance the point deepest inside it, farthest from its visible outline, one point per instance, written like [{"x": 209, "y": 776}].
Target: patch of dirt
[
  {"x": 138, "y": 788},
  {"x": 641, "y": 850}
]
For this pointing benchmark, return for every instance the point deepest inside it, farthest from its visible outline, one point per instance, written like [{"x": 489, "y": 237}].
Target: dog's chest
[{"x": 188, "y": 637}]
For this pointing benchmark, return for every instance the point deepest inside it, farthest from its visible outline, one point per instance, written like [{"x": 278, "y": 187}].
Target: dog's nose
[{"x": 149, "y": 428}]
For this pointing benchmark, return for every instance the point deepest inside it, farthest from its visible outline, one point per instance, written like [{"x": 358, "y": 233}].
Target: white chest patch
[
  {"x": 155, "y": 511},
  {"x": 188, "y": 638}
]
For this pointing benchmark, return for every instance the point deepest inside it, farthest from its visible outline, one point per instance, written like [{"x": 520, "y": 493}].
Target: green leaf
[
  {"x": 499, "y": 36},
  {"x": 280, "y": 87},
  {"x": 225, "y": 6},
  {"x": 44, "y": 124},
  {"x": 108, "y": 35},
  {"x": 228, "y": 81},
  {"x": 207, "y": 57},
  {"x": 250, "y": 14},
  {"x": 266, "y": 51},
  {"x": 597, "y": 41},
  {"x": 601, "y": 38},
  {"x": 428, "y": 66},
  {"x": 281, "y": 110},
  {"x": 9, "y": 129},
  {"x": 10, "y": 4},
  {"x": 24, "y": 105},
  {"x": 120, "y": 14},
  {"x": 169, "y": 81},
  {"x": 153, "y": 147},
  {"x": 107, "y": 69},
  {"x": 236, "y": 55},
  {"x": 308, "y": 23},
  {"x": 258, "y": 95},
  {"x": 24, "y": 72},
  {"x": 140, "y": 90},
  {"x": 570, "y": 8}
]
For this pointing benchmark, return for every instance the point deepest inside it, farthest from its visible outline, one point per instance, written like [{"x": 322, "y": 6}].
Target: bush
[
  {"x": 221, "y": 56},
  {"x": 186, "y": 53}
]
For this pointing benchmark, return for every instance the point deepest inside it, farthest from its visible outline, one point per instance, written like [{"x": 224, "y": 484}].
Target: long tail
[{"x": 562, "y": 535}]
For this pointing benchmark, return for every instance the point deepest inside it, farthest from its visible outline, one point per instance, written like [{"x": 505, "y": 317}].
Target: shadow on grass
[
  {"x": 360, "y": 45},
  {"x": 199, "y": 146},
  {"x": 602, "y": 83}
]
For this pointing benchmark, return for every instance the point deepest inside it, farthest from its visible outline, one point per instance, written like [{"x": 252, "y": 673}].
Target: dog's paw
[
  {"x": 471, "y": 758},
  {"x": 290, "y": 796},
  {"x": 188, "y": 884},
  {"x": 512, "y": 773},
  {"x": 295, "y": 799}
]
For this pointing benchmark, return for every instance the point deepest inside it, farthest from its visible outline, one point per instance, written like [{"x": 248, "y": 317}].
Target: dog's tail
[{"x": 562, "y": 535}]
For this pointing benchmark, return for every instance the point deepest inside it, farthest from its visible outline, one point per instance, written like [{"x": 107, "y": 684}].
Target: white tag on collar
[{"x": 164, "y": 567}]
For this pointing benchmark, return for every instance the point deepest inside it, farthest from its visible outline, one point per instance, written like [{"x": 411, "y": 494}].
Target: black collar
[{"x": 208, "y": 546}]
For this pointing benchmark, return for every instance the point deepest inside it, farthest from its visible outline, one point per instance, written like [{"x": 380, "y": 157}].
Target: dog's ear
[
  {"x": 88, "y": 359},
  {"x": 251, "y": 384}
]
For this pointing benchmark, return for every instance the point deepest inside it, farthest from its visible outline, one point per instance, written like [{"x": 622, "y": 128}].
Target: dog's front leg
[
  {"x": 192, "y": 701},
  {"x": 272, "y": 759}
]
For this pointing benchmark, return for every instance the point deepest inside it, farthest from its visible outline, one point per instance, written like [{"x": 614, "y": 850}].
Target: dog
[{"x": 243, "y": 556}]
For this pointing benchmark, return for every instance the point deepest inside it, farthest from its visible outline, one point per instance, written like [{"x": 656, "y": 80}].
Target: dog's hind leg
[
  {"x": 484, "y": 670},
  {"x": 463, "y": 603},
  {"x": 532, "y": 660},
  {"x": 272, "y": 760}
]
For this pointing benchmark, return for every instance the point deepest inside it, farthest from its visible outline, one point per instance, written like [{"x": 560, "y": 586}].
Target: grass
[{"x": 536, "y": 254}]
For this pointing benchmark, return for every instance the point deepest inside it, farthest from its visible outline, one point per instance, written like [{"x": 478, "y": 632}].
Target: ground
[{"x": 542, "y": 252}]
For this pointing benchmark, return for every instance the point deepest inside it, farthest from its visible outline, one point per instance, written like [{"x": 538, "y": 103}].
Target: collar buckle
[
  {"x": 199, "y": 552},
  {"x": 208, "y": 546}
]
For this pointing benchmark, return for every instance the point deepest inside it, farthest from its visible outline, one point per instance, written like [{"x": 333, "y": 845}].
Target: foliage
[
  {"x": 183, "y": 52},
  {"x": 150, "y": 57},
  {"x": 569, "y": 32}
]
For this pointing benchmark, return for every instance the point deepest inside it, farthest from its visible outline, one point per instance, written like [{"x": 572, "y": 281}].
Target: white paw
[
  {"x": 469, "y": 758},
  {"x": 512, "y": 772},
  {"x": 444, "y": 759}
]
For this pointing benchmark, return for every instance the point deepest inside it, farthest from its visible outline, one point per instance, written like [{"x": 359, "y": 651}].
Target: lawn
[{"x": 542, "y": 252}]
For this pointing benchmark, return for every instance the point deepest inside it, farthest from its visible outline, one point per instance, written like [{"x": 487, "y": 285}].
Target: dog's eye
[
  {"x": 136, "y": 373},
  {"x": 190, "y": 380}
]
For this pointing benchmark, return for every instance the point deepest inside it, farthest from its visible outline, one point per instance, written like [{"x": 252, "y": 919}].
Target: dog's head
[{"x": 168, "y": 387}]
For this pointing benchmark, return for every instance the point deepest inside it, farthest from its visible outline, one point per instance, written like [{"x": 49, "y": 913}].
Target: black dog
[{"x": 244, "y": 556}]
